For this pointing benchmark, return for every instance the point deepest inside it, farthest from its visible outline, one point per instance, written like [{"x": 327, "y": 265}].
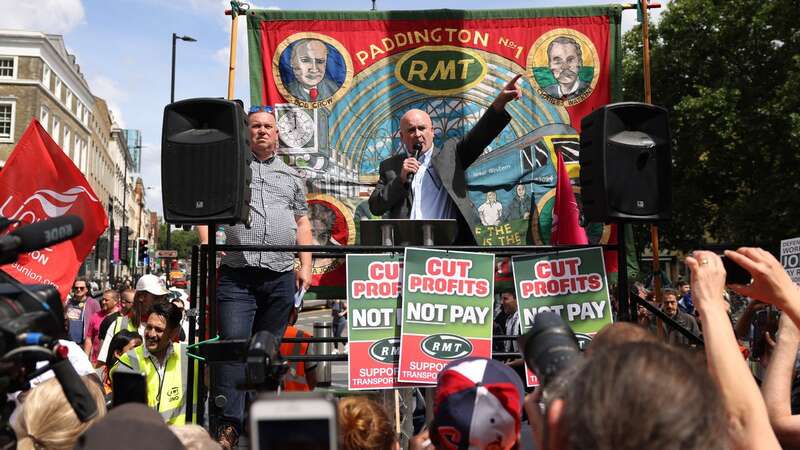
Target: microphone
[
  {"x": 43, "y": 234},
  {"x": 38, "y": 235},
  {"x": 417, "y": 149}
]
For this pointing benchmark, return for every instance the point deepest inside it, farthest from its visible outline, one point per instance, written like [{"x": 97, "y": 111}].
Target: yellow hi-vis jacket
[{"x": 166, "y": 394}]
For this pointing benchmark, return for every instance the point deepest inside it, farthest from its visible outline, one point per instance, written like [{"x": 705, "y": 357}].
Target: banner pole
[
  {"x": 648, "y": 98},
  {"x": 236, "y": 9}
]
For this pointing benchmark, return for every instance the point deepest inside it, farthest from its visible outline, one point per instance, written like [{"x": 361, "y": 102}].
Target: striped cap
[{"x": 478, "y": 406}]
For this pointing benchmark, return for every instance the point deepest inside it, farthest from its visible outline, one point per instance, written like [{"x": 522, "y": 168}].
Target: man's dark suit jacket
[{"x": 391, "y": 198}]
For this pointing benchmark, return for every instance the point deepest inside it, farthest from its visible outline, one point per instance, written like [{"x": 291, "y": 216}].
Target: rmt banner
[
  {"x": 571, "y": 283},
  {"x": 373, "y": 293},
  {"x": 447, "y": 311},
  {"x": 340, "y": 81}
]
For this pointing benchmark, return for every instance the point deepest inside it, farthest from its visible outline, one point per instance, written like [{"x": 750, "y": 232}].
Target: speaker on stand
[
  {"x": 626, "y": 167},
  {"x": 205, "y": 155}
]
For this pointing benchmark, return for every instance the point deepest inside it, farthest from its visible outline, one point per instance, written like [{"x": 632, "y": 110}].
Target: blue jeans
[{"x": 249, "y": 300}]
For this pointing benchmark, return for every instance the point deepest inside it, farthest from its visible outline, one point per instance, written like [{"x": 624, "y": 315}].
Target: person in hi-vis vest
[
  {"x": 163, "y": 363},
  {"x": 301, "y": 376}
]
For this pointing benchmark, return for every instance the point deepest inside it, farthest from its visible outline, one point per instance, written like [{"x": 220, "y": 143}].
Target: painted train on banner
[{"x": 341, "y": 81}]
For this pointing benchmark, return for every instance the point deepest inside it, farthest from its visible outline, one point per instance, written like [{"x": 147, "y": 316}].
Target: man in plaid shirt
[{"x": 256, "y": 289}]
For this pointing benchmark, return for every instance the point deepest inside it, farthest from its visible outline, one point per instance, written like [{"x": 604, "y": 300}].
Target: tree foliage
[
  {"x": 181, "y": 240},
  {"x": 729, "y": 74}
]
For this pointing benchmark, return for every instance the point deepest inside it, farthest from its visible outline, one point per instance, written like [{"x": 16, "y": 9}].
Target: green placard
[
  {"x": 571, "y": 282},
  {"x": 447, "y": 310}
]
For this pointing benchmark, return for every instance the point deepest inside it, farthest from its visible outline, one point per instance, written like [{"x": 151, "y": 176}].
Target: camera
[
  {"x": 550, "y": 348},
  {"x": 32, "y": 321},
  {"x": 264, "y": 365}
]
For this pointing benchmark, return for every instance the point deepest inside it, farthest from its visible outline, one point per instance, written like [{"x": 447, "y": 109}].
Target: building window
[
  {"x": 7, "y": 121},
  {"x": 8, "y": 66},
  {"x": 67, "y": 142},
  {"x": 69, "y": 100},
  {"x": 58, "y": 89},
  {"x": 56, "y": 130},
  {"x": 46, "y": 76},
  {"x": 44, "y": 118}
]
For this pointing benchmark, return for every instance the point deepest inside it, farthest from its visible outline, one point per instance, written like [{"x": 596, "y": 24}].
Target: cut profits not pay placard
[{"x": 447, "y": 311}]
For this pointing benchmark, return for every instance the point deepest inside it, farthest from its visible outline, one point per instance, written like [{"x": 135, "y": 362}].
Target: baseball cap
[
  {"x": 151, "y": 284},
  {"x": 478, "y": 406}
]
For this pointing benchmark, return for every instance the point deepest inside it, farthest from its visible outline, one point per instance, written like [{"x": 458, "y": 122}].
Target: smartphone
[
  {"x": 735, "y": 274},
  {"x": 292, "y": 422},
  {"x": 128, "y": 387}
]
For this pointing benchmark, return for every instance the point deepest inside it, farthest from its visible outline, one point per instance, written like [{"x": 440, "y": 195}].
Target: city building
[
  {"x": 40, "y": 79},
  {"x": 134, "y": 139}
]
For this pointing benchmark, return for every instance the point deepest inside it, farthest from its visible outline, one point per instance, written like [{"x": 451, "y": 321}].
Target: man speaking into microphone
[{"x": 424, "y": 182}]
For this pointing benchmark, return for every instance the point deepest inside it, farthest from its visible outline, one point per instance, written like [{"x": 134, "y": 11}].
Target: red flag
[
  {"x": 566, "y": 228},
  {"x": 40, "y": 182}
]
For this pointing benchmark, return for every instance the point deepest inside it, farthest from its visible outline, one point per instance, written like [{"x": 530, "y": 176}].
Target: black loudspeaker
[
  {"x": 205, "y": 155},
  {"x": 626, "y": 164}
]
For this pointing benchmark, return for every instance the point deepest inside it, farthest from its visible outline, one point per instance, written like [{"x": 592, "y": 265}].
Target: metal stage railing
[{"x": 202, "y": 296}]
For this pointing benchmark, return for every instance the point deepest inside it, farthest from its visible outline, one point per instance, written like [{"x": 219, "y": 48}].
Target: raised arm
[
  {"x": 749, "y": 426},
  {"x": 777, "y": 386}
]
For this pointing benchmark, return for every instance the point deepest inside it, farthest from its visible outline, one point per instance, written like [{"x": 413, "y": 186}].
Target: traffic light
[
  {"x": 142, "y": 251},
  {"x": 124, "y": 232}
]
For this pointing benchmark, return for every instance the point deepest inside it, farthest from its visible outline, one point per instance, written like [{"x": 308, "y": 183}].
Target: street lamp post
[
  {"x": 125, "y": 209},
  {"x": 175, "y": 38}
]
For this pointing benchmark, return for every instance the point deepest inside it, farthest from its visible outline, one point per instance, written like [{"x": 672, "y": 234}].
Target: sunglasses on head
[{"x": 265, "y": 108}]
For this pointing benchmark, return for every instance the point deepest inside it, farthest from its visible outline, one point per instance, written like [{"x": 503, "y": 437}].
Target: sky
[{"x": 124, "y": 49}]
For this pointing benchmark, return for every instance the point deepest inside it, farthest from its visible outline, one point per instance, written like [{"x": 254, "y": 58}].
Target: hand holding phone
[
  {"x": 292, "y": 422},
  {"x": 734, "y": 273}
]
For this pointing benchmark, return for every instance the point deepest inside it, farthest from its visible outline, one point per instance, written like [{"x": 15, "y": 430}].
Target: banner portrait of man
[
  {"x": 563, "y": 63},
  {"x": 312, "y": 69}
]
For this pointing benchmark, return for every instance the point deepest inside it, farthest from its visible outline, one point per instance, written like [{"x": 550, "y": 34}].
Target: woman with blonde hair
[
  {"x": 364, "y": 425},
  {"x": 46, "y": 420}
]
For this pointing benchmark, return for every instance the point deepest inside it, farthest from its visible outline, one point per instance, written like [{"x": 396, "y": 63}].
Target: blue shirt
[{"x": 431, "y": 200}]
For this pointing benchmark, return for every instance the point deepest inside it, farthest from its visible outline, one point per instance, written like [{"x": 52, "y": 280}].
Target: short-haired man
[
  {"x": 508, "y": 301},
  {"x": 256, "y": 289},
  {"x": 149, "y": 291},
  {"x": 108, "y": 305},
  {"x": 309, "y": 60},
  {"x": 685, "y": 297},
  {"x": 79, "y": 309},
  {"x": 669, "y": 305},
  {"x": 163, "y": 363},
  {"x": 439, "y": 188},
  {"x": 565, "y": 58}
]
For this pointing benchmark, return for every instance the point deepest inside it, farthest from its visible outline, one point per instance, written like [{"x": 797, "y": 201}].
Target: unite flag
[{"x": 40, "y": 182}]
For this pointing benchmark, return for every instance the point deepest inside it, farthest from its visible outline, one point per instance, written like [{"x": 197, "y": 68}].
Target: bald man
[
  {"x": 438, "y": 189},
  {"x": 309, "y": 60}
]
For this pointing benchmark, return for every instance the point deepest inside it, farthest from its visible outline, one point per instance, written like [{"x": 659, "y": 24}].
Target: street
[{"x": 306, "y": 323}]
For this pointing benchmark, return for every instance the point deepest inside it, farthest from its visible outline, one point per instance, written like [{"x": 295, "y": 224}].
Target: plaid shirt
[{"x": 277, "y": 197}]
